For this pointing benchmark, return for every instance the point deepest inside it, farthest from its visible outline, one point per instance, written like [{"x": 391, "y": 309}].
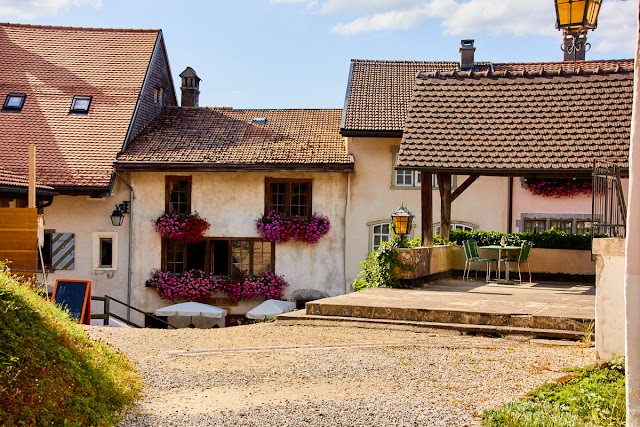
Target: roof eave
[
  {"x": 236, "y": 167},
  {"x": 509, "y": 172},
  {"x": 371, "y": 133}
]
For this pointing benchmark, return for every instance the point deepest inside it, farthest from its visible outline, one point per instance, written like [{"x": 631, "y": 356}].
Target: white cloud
[
  {"x": 28, "y": 9},
  {"x": 616, "y": 30},
  {"x": 616, "y": 27}
]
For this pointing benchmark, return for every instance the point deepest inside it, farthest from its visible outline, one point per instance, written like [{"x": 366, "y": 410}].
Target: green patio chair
[
  {"x": 471, "y": 256},
  {"x": 523, "y": 257}
]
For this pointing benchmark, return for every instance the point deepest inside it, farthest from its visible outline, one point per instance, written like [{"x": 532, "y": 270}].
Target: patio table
[{"x": 500, "y": 249}]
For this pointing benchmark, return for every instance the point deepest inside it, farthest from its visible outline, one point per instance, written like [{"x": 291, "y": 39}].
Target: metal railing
[
  {"x": 107, "y": 313},
  {"x": 609, "y": 208}
]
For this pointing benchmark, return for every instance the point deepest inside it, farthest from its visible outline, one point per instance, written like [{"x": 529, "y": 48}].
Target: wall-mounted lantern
[
  {"x": 117, "y": 216},
  {"x": 402, "y": 220}
]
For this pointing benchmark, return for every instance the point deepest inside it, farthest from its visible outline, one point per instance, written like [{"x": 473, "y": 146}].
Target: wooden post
[
  {"x": 426, "y": 195},
  {"x": 444, "y": 184},
  {"x": 31, "y": 203},
  {"x": 106, "y": 311}
]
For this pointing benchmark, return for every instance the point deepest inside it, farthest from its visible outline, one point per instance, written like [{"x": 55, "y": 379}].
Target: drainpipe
[
  {"x": 129, "y": 270},
  {"x": 510, "y": 202},
  {"x": 347, "y": 285}
]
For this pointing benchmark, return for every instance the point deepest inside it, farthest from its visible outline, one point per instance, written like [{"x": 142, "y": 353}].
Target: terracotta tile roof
[
  {"x": 224, "y": 137},
  {"x": 10, "y": 179},
  {"x": 378, "y": 92},
  {"x": 53, "y": 64},
  {"x": 513, "y": 121}
]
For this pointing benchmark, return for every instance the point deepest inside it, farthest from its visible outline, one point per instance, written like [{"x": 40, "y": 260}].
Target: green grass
[
  {"x": 592, "y": 396},
  {"x": 51, "y": 373}
]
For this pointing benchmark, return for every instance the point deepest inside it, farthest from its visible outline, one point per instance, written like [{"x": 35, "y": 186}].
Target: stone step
[
  {"x": 301, "y": 318},
  {"x": 502, "y": 319}
]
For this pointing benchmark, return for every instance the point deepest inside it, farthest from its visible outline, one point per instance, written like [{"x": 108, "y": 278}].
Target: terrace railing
[{"x": 609, "y": 209}]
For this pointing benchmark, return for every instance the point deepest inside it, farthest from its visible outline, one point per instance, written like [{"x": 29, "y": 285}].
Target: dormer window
[
  {"x": 14, "y": 102},
  {"x": 80, "y": 104}
]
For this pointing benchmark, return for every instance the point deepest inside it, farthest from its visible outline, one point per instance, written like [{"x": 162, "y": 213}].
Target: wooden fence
[{"x": 18, "y": 238}]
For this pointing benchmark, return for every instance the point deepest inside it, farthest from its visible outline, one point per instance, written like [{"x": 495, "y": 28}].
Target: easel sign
[{"x": 76, "y": 296}]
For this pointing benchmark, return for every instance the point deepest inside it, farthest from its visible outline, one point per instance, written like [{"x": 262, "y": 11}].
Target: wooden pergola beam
[
  {"x": 426, "y": 194},
  {"x": 467, "y": 182}
]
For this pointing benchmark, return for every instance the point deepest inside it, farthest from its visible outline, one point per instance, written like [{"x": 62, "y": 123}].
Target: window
[
  {"x": 565, "y": 225},
  {"x": 158, "y": 94},
  {"x": 222, "y": 257},
  {"x": 14, "y": 102},
  {"x": 583, "y": 227},
  {"x": 456, "y": 226},
  {"x": 408, "y": 178},
  {"x": 178, "y": 194},
  {"x": 80, "y": 104},
  {"x": 379, "y": 233},
  {"x": 105, "y": 250},
  {"x": 534, "y": 225},
  {"x": 45, "y": 250},
  {"x": 288, "y": 197}
]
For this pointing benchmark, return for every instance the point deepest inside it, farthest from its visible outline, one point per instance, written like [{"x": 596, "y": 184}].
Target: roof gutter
[{"x": 542, "y": 173}]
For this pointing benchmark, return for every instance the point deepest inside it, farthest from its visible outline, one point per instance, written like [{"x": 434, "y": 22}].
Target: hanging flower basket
[
  {"x": 188, "y": 228},
  {"x": 558, "y": 187},
  {"x": 276, "y": 228}
]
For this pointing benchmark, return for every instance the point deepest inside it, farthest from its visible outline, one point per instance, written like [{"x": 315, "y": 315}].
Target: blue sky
[{"x": 296, "y": 53}]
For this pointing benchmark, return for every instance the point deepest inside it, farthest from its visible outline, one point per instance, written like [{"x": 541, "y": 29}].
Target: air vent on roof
[{"x": 259, "y": 121}]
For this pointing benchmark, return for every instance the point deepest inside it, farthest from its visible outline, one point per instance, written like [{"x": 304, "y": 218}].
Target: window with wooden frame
[
  {"x": 565, "y": 225},
  {"x": 223, "y": 257},
  {"x": 534, "y": 225},
  {"x": 178, "y": 194},
  {"x": 288, "y": 197}
]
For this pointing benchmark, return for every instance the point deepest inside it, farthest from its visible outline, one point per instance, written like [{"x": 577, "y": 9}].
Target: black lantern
[
  {"x": 402, "y": 220},
  {"x": 117, "y": 216}
]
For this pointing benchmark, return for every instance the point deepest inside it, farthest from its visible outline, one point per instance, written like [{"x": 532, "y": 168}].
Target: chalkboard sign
[{"x": 76, "y": 296}]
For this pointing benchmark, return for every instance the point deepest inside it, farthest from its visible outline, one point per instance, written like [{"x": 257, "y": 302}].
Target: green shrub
[
  {"x": 51, "y": 373},
  {"x": 549, "y": 239},
  {"x": 380, "y": 269},
  {"x": 592, "y": 396}
]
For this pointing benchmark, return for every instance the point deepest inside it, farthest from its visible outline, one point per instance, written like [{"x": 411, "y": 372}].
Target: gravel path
[{"x": 271, "y": 375}]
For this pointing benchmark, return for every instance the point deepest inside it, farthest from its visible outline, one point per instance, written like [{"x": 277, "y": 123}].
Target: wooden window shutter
[{"x": 63, "y": 251}]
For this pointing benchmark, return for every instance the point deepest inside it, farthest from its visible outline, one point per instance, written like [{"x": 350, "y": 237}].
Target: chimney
[
  {"x": 190, "y": 88},
  {"x": 574, "y": 48},
  {"x": 467, "y": 51}
]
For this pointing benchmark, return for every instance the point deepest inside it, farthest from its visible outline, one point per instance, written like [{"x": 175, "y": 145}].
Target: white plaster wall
[
  {"x": 83, "y": 216},
  {"x": 610, "y": 261},
  {"x": 373, "y": 198},
  {"x": 231, "y": 202}
]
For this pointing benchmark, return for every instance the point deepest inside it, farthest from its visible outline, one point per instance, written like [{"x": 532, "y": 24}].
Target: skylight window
[
  {"x": 80, "y": 104},
  {"x": 14, "y": 102},
  {"x": 259, "y": 121}
]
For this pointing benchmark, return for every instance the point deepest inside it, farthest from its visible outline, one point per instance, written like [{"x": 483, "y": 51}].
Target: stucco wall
[
  {"x": 610, "y": 323},
  {"x": 231, "y": 202},
  {"x": 373, "y": 198},
  {"x": 83, "y": 216}
]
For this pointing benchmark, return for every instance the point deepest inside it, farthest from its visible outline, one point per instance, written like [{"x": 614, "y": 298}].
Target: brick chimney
[
  {"x": 467, "y": 51},
  {"x": 190, "y": 88}
]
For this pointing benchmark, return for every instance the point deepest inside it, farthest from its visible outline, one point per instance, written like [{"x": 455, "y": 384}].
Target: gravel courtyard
[{"x": 272, "y": 375}]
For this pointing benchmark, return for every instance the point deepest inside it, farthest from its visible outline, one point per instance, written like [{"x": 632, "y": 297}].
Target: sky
[{"x": 297, "y": 53}]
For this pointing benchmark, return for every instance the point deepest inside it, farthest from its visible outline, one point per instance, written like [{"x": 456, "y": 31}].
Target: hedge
[{"x": 549, "y": 239}]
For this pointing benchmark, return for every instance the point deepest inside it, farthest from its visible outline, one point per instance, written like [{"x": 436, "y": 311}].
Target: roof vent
[{"x": 259, "y": 121}]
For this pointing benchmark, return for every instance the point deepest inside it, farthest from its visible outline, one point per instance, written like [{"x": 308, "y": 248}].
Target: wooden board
[
  {"x": 19, "y": 238},
  {"x": 76, "y": 296}
]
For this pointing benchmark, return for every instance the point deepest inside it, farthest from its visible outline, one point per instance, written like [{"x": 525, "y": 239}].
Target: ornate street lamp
[
  {"x": 575, "y": 18},
  {"x": 402, "y": 219},
  {"x": 117, "y": 216}
]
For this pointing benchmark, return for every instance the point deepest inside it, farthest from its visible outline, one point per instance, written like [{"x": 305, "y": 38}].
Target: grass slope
[
  {"x": 592, "y": 396},
  {"x": 51, "y": 373}
]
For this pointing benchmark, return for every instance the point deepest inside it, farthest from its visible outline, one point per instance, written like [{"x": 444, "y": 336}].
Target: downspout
[
  {"x": 347, "y": 285},
  {"x": 510, "y": 207},
  {"x": 129, "y": 270}
]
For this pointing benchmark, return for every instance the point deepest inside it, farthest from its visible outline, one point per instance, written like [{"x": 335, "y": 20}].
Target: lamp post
[
  {"x": 575, "y": 18},
  {"x": 402, "y": 220}
]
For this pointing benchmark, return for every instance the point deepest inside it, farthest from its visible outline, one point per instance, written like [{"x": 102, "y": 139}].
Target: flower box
[
  {"x": 188, "y": 228},
  {"x": 276, "y": 228}
]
